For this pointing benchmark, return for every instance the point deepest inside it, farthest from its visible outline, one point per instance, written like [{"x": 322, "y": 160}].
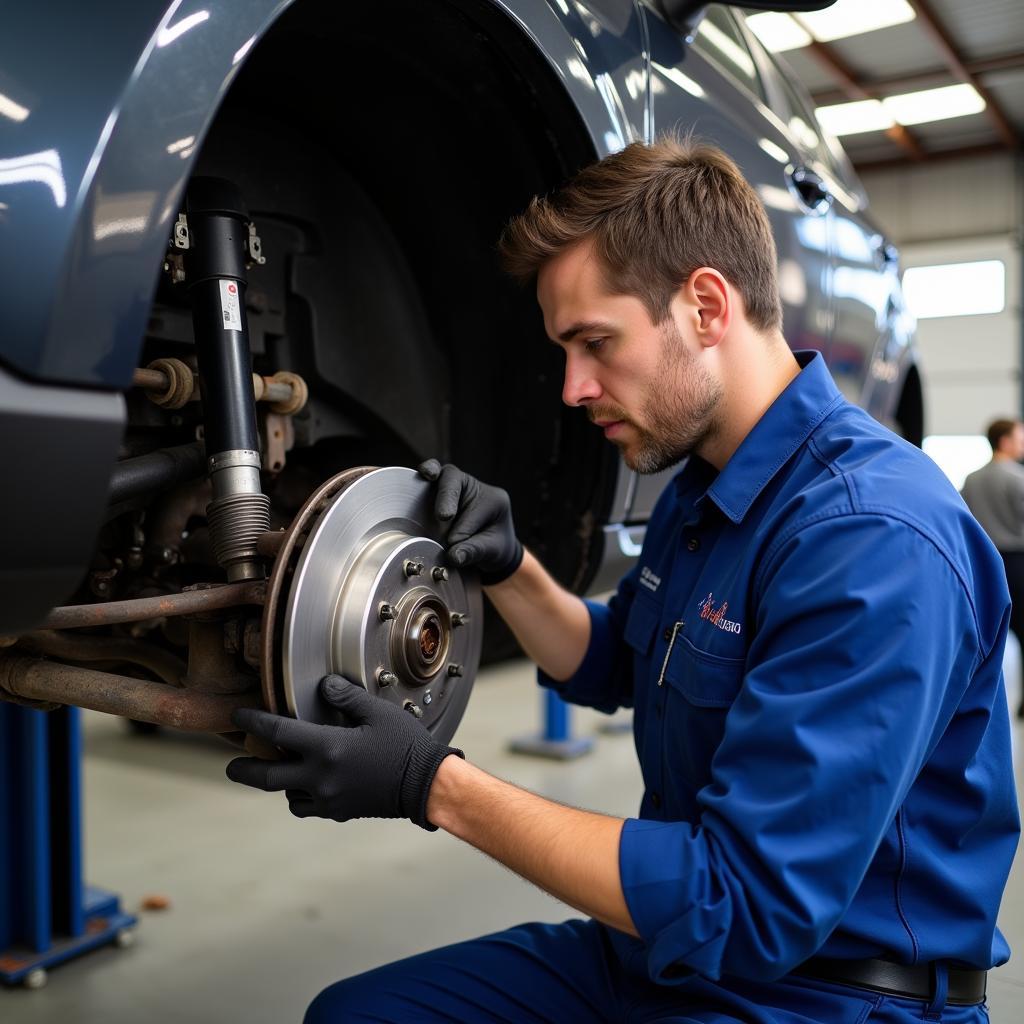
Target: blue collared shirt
[{"x": 812, "y": 643}]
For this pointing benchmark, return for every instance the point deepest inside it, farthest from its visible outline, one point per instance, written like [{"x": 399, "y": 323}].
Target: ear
[{"x": 711, "y": 298}]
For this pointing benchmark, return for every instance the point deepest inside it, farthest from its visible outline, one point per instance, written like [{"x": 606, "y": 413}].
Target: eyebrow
[{"x": 581, "y": 326}]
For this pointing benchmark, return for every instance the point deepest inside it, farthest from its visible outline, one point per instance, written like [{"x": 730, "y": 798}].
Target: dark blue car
[{"x": 374, "y": 152}]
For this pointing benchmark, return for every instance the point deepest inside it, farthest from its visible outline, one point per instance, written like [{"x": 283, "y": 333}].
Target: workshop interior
[{"x": 249, "y": 259}]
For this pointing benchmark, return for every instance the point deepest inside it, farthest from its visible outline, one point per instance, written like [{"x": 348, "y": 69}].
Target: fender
[{"x": 117, "y": 109}]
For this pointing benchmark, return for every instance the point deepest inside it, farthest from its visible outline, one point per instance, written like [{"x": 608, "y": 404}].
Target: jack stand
[
  {"x": 555, "y": 742},
  {"x": 47, "y": 914}
]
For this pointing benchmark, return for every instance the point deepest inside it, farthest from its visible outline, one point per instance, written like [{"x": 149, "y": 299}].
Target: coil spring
[{"x": 236, "y": 521}]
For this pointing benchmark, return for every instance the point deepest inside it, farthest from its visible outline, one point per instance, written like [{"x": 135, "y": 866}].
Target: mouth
[{"x": 610, "y": 427}]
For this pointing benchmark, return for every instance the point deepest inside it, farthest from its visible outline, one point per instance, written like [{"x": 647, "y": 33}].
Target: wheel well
[{"x": 381, "y": 148}]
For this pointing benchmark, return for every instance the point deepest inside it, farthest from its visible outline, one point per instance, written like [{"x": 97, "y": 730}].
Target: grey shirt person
[{"x": 995, "y": 495}]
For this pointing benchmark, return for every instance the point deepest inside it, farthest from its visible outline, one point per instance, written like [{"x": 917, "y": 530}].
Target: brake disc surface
[{"x": 374, "y": 599}]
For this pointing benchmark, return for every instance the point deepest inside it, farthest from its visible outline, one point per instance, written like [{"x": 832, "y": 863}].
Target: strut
[{"x": 220, "y": 239}]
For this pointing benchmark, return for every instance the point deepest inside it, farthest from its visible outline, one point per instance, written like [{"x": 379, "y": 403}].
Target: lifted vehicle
[{"x": 248, "y": 252}]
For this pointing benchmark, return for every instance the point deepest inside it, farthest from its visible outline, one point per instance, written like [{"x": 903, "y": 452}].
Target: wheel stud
[
  {"x": 412, "y": 568},
  {"x": 414, "y": 709},
  {"x": 386, "y": 677},
  {"x": 455, "y": 670},
  {"x": 440, "y": 574},
  {"x": 459, "y": 619},
  {"x": 385, "y": 611}
]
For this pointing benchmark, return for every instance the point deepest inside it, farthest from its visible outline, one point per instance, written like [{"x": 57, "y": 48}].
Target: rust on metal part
[
  {"x": 280, "y": 580},
  {"x": 269, "y": 544},
  {"x": 77, "y": 647},
  {"x": 212, "y": 668},
  {"x": 34, "y": 679},
  {"x": 172, "y": 384},
  {"x": 188, "y": 602}
]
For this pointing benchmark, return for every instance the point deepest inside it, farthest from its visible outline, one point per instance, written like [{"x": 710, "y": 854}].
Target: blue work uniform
[{"x": 812, "y": 644}]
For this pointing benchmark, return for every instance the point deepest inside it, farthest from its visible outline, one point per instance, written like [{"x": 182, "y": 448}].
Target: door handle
[{"x": 811, "y": 189}]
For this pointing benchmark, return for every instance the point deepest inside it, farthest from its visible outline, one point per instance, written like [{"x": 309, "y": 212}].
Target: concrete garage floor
[{"x": 266, "y": 909}]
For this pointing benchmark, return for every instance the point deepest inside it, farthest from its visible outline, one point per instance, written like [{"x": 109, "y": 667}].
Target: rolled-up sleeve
[{"x": 865, "y": 641}]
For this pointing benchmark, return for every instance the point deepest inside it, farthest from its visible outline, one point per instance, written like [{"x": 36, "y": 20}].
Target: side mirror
[{"x": 683, "y": 15}]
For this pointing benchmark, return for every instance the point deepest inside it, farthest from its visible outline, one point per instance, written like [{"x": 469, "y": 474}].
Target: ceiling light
[
  {"x": 854, "y": 17},
  {"x": 934, "y": 104},
  {"x": 778, "y": 32},
  {"x": 852, "y": 118}
]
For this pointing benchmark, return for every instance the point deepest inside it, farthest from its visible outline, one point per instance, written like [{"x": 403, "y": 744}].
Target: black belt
[{"x": 966, "y": 987}]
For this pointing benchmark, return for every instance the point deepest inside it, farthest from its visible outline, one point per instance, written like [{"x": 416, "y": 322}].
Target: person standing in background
[{"x": 995, "y": 495}]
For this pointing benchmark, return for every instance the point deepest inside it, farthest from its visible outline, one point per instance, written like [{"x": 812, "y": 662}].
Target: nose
[{"x": 580, "y": 385}]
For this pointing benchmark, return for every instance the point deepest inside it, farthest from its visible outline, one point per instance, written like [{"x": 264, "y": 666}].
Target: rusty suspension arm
[
  {"x": 188, "y": 602},
  {"x": 51, "y": 682},
  {"x": 45, "y": 684}
]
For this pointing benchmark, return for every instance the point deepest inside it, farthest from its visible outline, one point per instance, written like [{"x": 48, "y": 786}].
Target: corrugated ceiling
[{"x": 906, "y": 58}]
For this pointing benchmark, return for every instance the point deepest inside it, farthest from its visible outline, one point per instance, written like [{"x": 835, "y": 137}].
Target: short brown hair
[
  {"x": 655, "y": 213},
  {"x": 998, "y": 429}
]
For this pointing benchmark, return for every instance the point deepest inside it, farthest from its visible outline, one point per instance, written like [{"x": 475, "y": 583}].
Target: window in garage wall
[
  {"x": 970, "y": 362},
  {"x": 956, "y": 289},
  {"x": 966, "y": 295}
]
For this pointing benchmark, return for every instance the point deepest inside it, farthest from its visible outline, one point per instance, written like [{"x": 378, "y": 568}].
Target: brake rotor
[{"x": 361, "y": 587}]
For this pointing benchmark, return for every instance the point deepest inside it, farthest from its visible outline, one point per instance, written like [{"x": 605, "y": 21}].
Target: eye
[{"x": 593, "y": 345}]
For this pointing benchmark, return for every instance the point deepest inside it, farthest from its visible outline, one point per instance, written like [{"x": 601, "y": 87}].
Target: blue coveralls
[{"x": 811, "y": 642}]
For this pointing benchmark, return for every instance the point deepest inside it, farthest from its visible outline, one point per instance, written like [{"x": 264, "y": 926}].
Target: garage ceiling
[{"x": 980, "y": 42}]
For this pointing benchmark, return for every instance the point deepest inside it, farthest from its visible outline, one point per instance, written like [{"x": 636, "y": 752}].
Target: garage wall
[{"x": 954, "y": 212}]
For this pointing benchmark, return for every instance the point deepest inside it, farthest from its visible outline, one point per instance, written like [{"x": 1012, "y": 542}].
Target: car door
[{"x": 861, "y": 285}]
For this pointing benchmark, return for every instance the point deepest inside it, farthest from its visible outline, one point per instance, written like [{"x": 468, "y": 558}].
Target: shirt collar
[{"x": 776, "y": 436}]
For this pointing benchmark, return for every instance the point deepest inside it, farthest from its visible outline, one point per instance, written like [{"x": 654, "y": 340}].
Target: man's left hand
[{"x": 381, "y": 765}]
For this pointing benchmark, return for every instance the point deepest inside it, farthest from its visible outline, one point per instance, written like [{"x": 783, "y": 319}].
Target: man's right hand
[{"x": 481, "y": 534}]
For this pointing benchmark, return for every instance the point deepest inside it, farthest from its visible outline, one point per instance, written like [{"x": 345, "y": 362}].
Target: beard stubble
[{"x": 678, "y": 411}]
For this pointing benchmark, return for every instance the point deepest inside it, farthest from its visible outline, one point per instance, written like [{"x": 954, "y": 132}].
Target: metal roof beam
[
  {"x": 923, "y": 79},
  {"x": 854, "y": 89},
  {"x": 940, "y": 36},
  {"x": 935, "y": 157}
]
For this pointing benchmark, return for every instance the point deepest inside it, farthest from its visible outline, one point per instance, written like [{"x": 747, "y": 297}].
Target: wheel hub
[{"x": 362, "y": 588}]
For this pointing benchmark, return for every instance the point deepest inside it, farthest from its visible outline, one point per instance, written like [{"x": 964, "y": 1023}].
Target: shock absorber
[{"x": 218, "y": 241}]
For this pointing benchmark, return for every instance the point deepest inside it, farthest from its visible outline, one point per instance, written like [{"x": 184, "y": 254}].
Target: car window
[{"x": 721, "y": 41}]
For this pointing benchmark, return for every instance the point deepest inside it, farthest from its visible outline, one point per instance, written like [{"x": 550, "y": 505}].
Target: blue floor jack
[{"x": 47, "y": 913}]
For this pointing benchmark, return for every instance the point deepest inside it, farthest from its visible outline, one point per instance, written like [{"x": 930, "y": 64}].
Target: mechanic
[
  {"x": 995, "y": 494},
  {"x": 811, "y": 642}
]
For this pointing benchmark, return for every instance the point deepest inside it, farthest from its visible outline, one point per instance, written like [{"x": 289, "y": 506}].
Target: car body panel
[
  {"x": 91, "y": 196},
  {"x": 89, "y": 218}
]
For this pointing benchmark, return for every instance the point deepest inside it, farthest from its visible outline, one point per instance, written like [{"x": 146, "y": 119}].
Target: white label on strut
[{"x": 229, "y": 306}]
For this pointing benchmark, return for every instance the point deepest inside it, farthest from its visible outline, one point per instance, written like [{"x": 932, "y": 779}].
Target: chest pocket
[
  {"x": 705, "y": 680},
  {"x": 699, "y": 690}
]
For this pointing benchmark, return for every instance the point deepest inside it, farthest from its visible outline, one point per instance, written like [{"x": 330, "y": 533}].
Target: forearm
[
  {"x": 551, "y": 625},
  {"x": 572, "y": 854}
]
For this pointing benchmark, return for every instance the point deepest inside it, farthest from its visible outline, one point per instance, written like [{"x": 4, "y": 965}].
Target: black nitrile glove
[
  {"x": 481, "y": 534},
  {"x": 380, "y": 766}
]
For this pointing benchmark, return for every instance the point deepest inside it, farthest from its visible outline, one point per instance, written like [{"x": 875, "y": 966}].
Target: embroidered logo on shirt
[
  {"x": 649, "y": 579},
  {"x": 716, "y": 616}
]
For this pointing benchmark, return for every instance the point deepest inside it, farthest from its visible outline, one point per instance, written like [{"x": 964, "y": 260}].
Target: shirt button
[
  {"x": 667, "y": 635},
  {"x": 692, "y": 544},
  {"x": 655, "y": 800}
]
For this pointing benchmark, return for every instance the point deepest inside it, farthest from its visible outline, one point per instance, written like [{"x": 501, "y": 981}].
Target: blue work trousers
[{"x": 569, "y": 974}]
